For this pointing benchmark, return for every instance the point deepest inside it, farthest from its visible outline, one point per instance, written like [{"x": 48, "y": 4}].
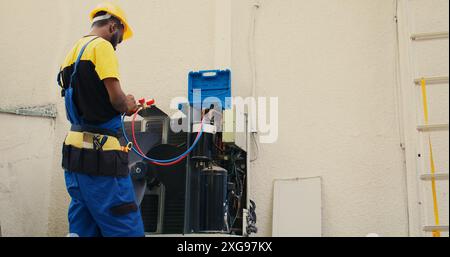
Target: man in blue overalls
[{"x": 96, "y": 165}]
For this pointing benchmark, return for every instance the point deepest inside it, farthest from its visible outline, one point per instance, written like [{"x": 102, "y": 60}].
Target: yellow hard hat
[{"x": 117, "y": 12}]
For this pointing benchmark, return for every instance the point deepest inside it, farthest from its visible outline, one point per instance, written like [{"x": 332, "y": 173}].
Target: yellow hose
[{"x": 436, "y": 233}]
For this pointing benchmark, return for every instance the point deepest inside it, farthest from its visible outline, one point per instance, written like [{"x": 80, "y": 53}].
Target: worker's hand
[{"x": 131, "y": 105}]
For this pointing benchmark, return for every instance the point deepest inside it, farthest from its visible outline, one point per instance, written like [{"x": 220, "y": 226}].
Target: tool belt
[
  {"x": 94, "y": 130},
  {"x": 94, "y": 154}
]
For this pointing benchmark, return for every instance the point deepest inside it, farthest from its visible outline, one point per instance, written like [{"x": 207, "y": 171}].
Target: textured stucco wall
[
  {"x": 330, "y": 62},
  {"x": 27, "y": 77},
  {"x": 332, "y": 65}
]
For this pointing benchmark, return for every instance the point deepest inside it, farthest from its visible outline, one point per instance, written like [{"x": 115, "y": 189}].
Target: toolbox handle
[{"x": 209, "y": 73}]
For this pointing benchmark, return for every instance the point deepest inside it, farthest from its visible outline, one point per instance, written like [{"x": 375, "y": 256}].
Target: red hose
[{"x": 141, "y": 152}]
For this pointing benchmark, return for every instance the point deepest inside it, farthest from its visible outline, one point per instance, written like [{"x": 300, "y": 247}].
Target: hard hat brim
[{"x": 128, "y": 31}]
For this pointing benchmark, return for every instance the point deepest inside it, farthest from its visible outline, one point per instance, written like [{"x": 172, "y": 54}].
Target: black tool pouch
[{"x": 95, "y": 162}]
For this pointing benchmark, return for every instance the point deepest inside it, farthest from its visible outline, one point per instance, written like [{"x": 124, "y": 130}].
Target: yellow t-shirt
[{"x": 98, "y": 62}]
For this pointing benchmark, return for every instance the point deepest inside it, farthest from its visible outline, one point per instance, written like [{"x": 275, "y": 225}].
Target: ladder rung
[
  {"x": 432, "y": 80},
  {"x": 437, "y": 176},
  {"x": 429, "y": 36},
  {"x": 432, "y": 127},
  {"x": 443, "y": 228}
]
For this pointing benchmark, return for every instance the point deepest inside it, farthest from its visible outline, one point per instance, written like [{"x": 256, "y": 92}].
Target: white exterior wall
[
  {"x": 330, "y": 62},
  {"x": 332, "y": 65}
]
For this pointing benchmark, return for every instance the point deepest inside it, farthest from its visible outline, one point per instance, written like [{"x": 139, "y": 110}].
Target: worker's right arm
[
  {"x": 120, "y": 102},
  {"x": 107, "y": 68}
]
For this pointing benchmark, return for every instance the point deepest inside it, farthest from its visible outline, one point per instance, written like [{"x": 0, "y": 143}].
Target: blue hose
[{"x": 155, "y": 160}]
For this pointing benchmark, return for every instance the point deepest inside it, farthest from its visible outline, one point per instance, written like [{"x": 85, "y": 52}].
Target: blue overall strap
[
  {"x": 71, "y": 110},
  {"x": 75, "y": 68}
]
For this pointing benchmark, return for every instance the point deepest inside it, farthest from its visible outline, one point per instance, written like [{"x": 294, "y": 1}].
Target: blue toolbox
[{"x": 212, "y": 83}]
